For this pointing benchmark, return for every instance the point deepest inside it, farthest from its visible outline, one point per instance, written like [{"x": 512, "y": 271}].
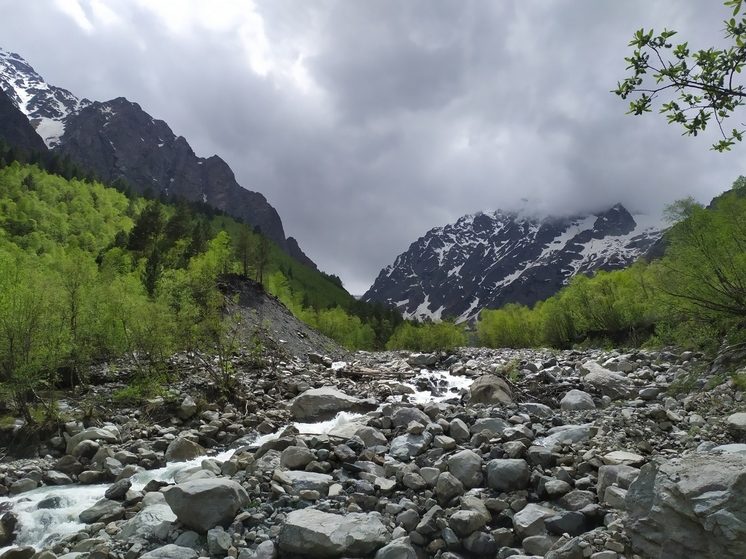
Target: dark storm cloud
[{"x": 367, "y": 123}]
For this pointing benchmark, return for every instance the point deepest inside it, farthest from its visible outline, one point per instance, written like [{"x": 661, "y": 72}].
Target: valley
[{"x": 554, "y": 369}]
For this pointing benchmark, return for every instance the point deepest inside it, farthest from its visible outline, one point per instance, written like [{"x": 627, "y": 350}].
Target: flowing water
[{"x": 48, "y": 514}]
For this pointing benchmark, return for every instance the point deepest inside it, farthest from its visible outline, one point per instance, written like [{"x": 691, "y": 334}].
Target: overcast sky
[{"x": 366, "y": 123}]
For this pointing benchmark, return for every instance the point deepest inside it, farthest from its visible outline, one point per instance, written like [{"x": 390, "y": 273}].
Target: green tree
[
  {"x": 701, "y": 85},
  {"x": 31, "y": 332}
]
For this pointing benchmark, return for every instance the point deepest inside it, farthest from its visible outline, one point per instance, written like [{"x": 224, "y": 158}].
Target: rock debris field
[{"x": 478, "y": 453}]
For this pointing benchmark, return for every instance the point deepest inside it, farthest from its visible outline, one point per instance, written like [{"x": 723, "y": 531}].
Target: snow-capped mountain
[
  {"x": 46, "y": 106},
  {"x": 118, "y": 140},
  {"x": 489, "y": 259}
]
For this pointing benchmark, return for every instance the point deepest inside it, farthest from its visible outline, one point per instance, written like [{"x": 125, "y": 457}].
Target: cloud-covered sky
[{"x": 368, "y": 122}]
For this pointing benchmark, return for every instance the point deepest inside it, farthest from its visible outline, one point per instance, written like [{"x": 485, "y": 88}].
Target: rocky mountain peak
[
  {"x": 46, "y": 106},
  {"x": 117, "y": 139},
  {"x": 485, "y": 260}
]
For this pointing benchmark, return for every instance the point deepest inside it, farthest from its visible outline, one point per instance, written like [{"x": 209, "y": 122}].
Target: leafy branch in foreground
[{"x": 701, "y": 86}]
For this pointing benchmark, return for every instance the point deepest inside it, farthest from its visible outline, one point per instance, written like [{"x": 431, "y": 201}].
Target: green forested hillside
[
  {"x": 695, "y": 296},
  {"x": 88, "y": 273}
]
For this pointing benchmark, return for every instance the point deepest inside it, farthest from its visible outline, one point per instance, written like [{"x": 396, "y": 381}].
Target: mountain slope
[
  {"x": 116, "y": 139},
  {"x": 15, "y": 128},
  {"x": 487, "y": 260}
]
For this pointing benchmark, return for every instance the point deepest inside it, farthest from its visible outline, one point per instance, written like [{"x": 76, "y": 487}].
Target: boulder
[
  {"x": 508, "y": 474},
  {"x": 490, "y": 389},
  {"x": 422, "y": 359},
  {"x": 104, "y": 510},
  {"x": 314, "y": 533},
  {"x": 397, "y": 549},
  {"x": 171, "y": 551},
  {"x": 152, "y": 523},
  {"x": 110, "y": 434},
  {"x": 324, "y": 403},
  {"x": 608, "y": 383},
  {"x": 467, "y": 467},
  {"x": 566, "y": 435},
  {"x": 187, "y": 408},
  {"x": 183, "y": 450},
  {"x": 736, "y": 424},
  {"x": 529, "y": 521},
  {"x": 577, "y": 400},
  {"x": 406, "y": 415},
  {"x": 205, "y": 503},
  {"x": 691, "y": 507},
  {"x": 406, "y": 447},
  {"x": 464, "y": 522},
  {"x": 296, "y": 457},
  {"x": 493, "y": 425}
]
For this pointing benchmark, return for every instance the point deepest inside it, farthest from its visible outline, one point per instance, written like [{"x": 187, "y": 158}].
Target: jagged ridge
[
  {"x": 489, "y": 259},
  {"x": 118, "y": 140}
]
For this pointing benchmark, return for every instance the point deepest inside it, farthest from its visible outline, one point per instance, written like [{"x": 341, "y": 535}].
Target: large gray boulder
[
  {"x": 608, "y": 383},
  {"x": 691, "y": 507},
  {"x": 405, "y": 447},
  {"x": 577, "y": 400},
  {"x": 104, "y": 510},
  {"x": 467, "y": 467},
  {"x": 508, "y": 474},
  {"x": 205, "y": 503},
  {"x": 737, "y": 424},
  {"x": 490, "y": 389},
  {"x": 171, "y": 551},
  {"x": 318, "y": 404},
  {"x": 151, "y": 523},
  {"x": 183, "y": 450},
  {"x": 109, "y": 434},
  {"x": 314, "y": 533}
]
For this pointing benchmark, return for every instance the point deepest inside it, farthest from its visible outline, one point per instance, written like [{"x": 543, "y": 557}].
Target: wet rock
[
  {"x": 324, "y": 403},
  {"x": 693, "y": 507},
  {"x": 206, "y": 503},
  {"x": 23, "y": 485},
  {"x": 8, "y": 523},
  {"x": 314, "y": 533},
  {"x": 18, "y": 553},
  {"x": 104, "y": 510},
  {"x": 118, "y": 490},
  {"x": 182, "y": 450},
  {"x": 490, "y": 389},
  {"x": 53, "y": 477}
]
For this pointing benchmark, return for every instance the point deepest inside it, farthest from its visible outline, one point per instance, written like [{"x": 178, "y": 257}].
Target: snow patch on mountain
[
  {"x": 46, "y": 106},
  {"x": 486, "y": 260}
]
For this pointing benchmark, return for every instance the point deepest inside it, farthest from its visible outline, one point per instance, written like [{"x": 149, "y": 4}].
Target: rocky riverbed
[{"x": 478, "y": 453}]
